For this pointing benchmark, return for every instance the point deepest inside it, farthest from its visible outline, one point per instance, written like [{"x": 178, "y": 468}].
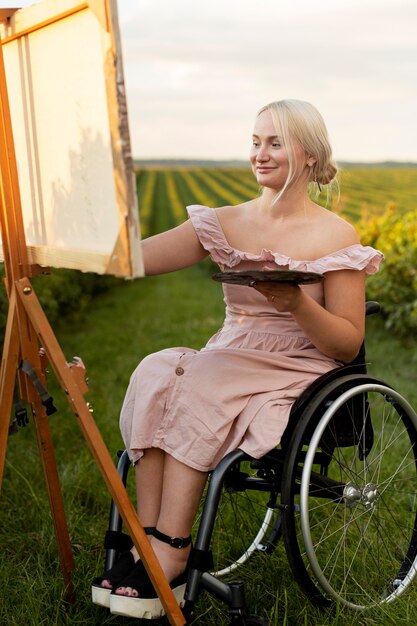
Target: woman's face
[{"x": 269, "y": 157}]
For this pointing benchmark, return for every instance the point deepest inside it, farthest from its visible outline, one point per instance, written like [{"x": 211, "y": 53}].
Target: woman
[{"x": 185, "y": 409}]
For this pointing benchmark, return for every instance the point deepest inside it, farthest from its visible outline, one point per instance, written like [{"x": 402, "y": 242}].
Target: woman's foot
[
  {"x": 173, "y": 562},
  {"x": 136, "y": 597},
  {"x": 103, "y": 585}
]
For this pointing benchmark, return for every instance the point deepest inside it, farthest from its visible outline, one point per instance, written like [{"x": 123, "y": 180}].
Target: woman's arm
[
  {"x": 338, "y": 328},
  {"x": 172, "y": 250}
]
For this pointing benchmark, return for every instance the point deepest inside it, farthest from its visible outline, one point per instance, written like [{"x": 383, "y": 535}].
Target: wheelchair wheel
[
  {"x": 349, "y": 494},
  {"x": 247, "y": 520}
]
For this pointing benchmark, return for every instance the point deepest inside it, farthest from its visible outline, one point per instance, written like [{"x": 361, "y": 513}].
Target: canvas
[{"x": 68, "y": 108}]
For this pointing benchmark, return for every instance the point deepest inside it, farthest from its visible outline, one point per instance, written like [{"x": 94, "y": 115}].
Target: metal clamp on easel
[
  {"x": 46, "y": 399},
  {"x": 20, "y": 414}
]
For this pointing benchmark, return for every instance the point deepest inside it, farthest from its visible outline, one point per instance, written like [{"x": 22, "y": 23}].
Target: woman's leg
[
  {"x": 182, "y": 487},
  {"x": 149, "y": 474},
  {"x": 181, "y": 495}
]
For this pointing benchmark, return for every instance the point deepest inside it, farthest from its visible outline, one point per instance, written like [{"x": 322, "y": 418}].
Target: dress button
[{"x": 179, "y": 371}]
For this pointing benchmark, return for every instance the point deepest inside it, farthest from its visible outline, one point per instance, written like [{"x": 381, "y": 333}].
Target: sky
[{"x": 197, "y": 72}]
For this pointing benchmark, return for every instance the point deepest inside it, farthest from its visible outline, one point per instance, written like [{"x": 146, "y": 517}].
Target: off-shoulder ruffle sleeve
[
  {"x": 211, "y": 235},
  {"x": 212, "y": 238},
  {"x": 356, "y": 257}
]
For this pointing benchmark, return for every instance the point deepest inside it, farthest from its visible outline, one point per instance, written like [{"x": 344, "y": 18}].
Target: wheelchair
[{"x": 340, "y": 491}]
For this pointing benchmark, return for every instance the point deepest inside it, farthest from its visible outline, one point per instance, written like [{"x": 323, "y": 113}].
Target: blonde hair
[{"x": 300, "y": 120}]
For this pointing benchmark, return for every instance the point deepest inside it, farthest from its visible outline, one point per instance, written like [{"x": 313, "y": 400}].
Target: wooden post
[{"x": 8, "y": 370}]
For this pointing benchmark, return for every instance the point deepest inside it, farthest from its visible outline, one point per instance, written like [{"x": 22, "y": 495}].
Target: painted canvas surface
[{"x": 69, "y": 117}]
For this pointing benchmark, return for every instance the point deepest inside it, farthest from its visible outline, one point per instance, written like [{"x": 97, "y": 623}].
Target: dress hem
[{"x": 136, "y": 455}]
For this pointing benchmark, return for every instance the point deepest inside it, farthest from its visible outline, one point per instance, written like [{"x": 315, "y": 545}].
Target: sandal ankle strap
[
  {"x": 116, "y": 540},
  {"x": 174, "y": 542}
]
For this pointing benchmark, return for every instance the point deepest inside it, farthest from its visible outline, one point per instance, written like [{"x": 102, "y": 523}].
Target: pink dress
[{"x": 237, "y": 391}]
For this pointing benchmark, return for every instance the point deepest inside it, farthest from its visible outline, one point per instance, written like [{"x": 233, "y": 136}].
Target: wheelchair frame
[{"x": 346, "y": 474}]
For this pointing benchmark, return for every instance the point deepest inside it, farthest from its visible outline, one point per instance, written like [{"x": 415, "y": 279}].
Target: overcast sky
[{"x": 197, "y": 72}]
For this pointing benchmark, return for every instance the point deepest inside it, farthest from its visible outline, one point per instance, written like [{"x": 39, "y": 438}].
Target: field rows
[{"x": 164, "y": 193}]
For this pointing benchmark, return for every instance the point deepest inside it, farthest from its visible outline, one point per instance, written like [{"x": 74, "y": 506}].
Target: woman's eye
[{"x": 276, "y": 145}]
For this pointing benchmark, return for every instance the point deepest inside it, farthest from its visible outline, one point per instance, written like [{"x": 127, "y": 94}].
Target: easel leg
[
  {"x": 50, "y": 470},
  {"x": 99, "y": 450},
  {"x": 10, "y": 360},
  {"x": 9, "y": 364}
]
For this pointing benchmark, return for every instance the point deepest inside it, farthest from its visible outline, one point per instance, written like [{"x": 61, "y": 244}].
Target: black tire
[{"x": 350, "y": 525}]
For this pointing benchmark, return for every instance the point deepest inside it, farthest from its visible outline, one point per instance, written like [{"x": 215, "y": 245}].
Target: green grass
[{"x": 121, "y": 327}]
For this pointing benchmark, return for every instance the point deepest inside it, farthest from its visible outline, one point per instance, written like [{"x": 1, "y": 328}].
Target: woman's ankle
[{"x": 173, "y": 561}]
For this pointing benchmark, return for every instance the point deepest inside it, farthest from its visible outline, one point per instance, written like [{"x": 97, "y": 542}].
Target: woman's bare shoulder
[
  {"x": 337, "y": 232},
  {"x": 234, "y": 211}
]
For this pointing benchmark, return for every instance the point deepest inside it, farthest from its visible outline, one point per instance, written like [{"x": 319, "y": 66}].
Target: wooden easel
[{"x": 27, "y": 330}]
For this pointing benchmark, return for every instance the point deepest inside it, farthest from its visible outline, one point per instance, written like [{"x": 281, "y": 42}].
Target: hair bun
[{"x": 326, "y": 174}]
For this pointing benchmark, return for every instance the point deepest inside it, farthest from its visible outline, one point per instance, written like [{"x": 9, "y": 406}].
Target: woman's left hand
[{"x": 285, "y": 297}]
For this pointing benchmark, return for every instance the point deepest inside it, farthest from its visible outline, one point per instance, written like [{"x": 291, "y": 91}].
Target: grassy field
[
  {"x": 121, "y": 327},
  {"x": 363, "y": 191}
]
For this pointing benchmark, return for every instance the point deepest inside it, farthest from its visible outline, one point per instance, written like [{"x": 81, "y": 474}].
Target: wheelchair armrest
[{"x": 372, "y": 307}]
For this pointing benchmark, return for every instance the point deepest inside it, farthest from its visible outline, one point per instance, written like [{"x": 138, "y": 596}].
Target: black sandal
[
  {"x": 123, "y": 566},
  {"x": 147, "y": 605}
]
